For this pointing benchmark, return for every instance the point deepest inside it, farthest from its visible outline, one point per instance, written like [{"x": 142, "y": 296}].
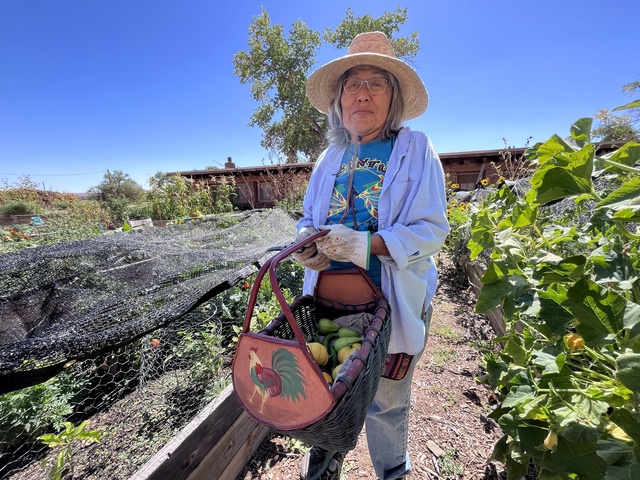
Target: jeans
[{"x": 387, "y": 422}]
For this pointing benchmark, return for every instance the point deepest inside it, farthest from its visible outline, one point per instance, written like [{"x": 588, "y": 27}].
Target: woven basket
[{"x": 318, "y": 414}]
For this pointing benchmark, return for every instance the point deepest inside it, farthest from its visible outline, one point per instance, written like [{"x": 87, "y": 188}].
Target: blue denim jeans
[{"x": 387, "y": 423}]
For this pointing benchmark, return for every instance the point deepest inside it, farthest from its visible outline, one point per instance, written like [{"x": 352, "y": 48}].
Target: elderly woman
[{"x": 379, "y": 189}]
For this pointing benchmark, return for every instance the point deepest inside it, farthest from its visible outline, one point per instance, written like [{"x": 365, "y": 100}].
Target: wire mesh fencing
[{"x": 109, "y": 347}]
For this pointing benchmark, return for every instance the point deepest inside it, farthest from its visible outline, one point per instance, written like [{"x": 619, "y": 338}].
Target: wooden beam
[
  {"x": 230, "y": 455},
  {"x": 220, "y": 426}
]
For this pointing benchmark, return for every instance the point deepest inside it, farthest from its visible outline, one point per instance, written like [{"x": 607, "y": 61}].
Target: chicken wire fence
[{"x": 130, "y": 331}]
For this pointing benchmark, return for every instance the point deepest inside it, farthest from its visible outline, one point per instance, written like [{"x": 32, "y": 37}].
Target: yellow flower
[
  {"x": 501, "y": 179},
  {"x": 484, "y": 182},
  {"x": 574, "y": 341},
  {"x": 455, "y": 186}
]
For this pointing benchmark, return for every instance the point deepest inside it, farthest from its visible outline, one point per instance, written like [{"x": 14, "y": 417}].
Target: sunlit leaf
[
  {"x": 524, "y": 215},
  {"x": 519, "y": 395},
  {"x": 581, "y": 131},
  {"x": 553, "y": 182},
  {"x": 494, "y": 272},
  {"x": 634, "y": 104},
  {"x": 549, "y": 149},
  {"x": 626, "y": 196},
  {"x": 565, "y": 270},
  {"x": 551, "y": 359}
]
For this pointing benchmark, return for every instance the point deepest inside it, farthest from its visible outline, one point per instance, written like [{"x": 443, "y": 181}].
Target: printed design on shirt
[
  {"x": 367, "y": 184},
  {"x": 370, "y": 196},
  {"x": 338, "y": 202}
]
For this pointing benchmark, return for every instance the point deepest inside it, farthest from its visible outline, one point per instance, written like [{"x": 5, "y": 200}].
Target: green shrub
[
  {"x": 139, "y": 211},
  {"x": 20, "y": 207},
  {"x": 27, "y": 413}
]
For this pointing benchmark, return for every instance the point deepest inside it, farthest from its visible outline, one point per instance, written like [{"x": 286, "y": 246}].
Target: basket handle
[{"x": 270, "y": 265}]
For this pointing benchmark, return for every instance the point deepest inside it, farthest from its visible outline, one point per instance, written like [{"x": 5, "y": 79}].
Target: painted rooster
[{"x": 283, "y": 379}]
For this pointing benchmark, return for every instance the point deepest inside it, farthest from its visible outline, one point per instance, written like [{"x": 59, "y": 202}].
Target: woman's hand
[
  {"x": 343, "y": 244},
  {"x": 308, "y": 255}
]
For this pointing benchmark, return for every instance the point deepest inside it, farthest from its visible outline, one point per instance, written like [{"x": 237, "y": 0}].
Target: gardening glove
[
  {"x": 343, "y": 244},
  {"x": 308, "y": 255}
]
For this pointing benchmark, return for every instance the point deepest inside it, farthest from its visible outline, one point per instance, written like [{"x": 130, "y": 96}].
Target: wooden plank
[
  {"x": 144, "y": 223},
  {"x": 227, "y": 459},
  {"x": 178, "y": 458}
]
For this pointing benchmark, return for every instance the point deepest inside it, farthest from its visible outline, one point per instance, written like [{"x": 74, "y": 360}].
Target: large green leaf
[
  {"x": 615, "y": 162},
  {"x": 611, "y": 265},
  {"x": 599, "y": 311},
  {"x": 551, "y": 359},
  {"x": 581, "y": 131},
  {"x": 524, "y": 215},
  {"x": 615, "y": 452},
  {"x": 631, "y": 319},
  {"x": 548, "y": 150},
  {"x": 628, "y": 154},
  {"x": 492, "y": 294},
  {"x": 629, "y": 422},
  {"x": 554, "y": 270},
  {"x": 553, "y": 182},
  {"x": 495, "y": 271},
  {"x": 518, "y": 396},
  {"x": 624, "y": 198},
  {"x": 629, "y": 371},
  {"x": 576, "y": 453},
  {"x": 554, "y": 315}
]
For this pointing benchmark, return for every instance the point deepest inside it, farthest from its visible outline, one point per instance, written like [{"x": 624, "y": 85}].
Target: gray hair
[{"x": 340, "y": 136}]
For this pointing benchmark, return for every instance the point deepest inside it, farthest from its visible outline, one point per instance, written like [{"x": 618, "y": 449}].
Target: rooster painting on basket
[{"x": 283, "y": 379}]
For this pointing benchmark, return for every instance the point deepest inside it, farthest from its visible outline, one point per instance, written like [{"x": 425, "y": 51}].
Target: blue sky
[{"x": 147, "y": 85}]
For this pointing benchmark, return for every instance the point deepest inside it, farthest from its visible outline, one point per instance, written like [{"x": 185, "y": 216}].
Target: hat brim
[{"x": 322, "y": 84}]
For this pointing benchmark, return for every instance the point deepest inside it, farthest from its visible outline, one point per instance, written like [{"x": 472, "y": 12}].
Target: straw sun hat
[{"x": 371, "y": 48}]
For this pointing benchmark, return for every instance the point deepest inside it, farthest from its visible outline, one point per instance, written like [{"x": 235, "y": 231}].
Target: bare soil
[{"x": 451, "y": 435}]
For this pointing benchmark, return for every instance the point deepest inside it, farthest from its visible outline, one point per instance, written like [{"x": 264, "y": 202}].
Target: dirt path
[{"x": 451, "y": 436}]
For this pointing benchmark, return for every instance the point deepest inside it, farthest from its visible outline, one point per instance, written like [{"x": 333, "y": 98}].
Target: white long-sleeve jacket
[{"x": 412, "y": 221}]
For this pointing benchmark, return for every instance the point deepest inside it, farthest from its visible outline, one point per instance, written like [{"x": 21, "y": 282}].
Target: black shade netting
[{"x": 73, "y": 300}]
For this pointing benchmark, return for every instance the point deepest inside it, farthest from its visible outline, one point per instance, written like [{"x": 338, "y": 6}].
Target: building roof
[{"x": 481, "y": 156}]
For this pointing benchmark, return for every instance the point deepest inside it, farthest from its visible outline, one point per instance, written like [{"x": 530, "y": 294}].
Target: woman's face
[{"x": 363, "y": 113}]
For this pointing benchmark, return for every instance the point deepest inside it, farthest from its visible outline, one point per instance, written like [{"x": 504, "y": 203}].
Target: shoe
[{"x": 321, "y": 464}]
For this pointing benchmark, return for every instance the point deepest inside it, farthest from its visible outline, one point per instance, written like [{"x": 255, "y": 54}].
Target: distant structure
[{"x": 257, "y": 187}]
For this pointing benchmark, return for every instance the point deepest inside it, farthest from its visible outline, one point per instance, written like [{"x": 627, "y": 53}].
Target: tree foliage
[
  {"x": 118, "y": 191},
  {"x": 620, "y": 127},
  {"x": 277, "y": 69},
  {"x": 117, "y": 184},
  {"x": 388, "y": 23}
]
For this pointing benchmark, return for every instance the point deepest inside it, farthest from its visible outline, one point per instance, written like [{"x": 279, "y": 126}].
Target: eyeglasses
[{"x": 377, "y": 85}]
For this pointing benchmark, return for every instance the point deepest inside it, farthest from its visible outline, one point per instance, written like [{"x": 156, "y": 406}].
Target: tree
[
  {"x": 614, "y": 127},
  {"x": 277, "y": 70},
  {"x": 117, "y": 185},
  {"x": 118, "y": 191},
  {"x": 405, "y": 48}
]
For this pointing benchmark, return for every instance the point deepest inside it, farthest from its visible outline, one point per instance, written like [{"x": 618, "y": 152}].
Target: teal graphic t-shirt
[{"x": 359, "y": 210}]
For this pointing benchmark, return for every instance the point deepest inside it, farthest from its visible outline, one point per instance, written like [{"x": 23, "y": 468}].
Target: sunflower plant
[{"x": 564, "y": 268}]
